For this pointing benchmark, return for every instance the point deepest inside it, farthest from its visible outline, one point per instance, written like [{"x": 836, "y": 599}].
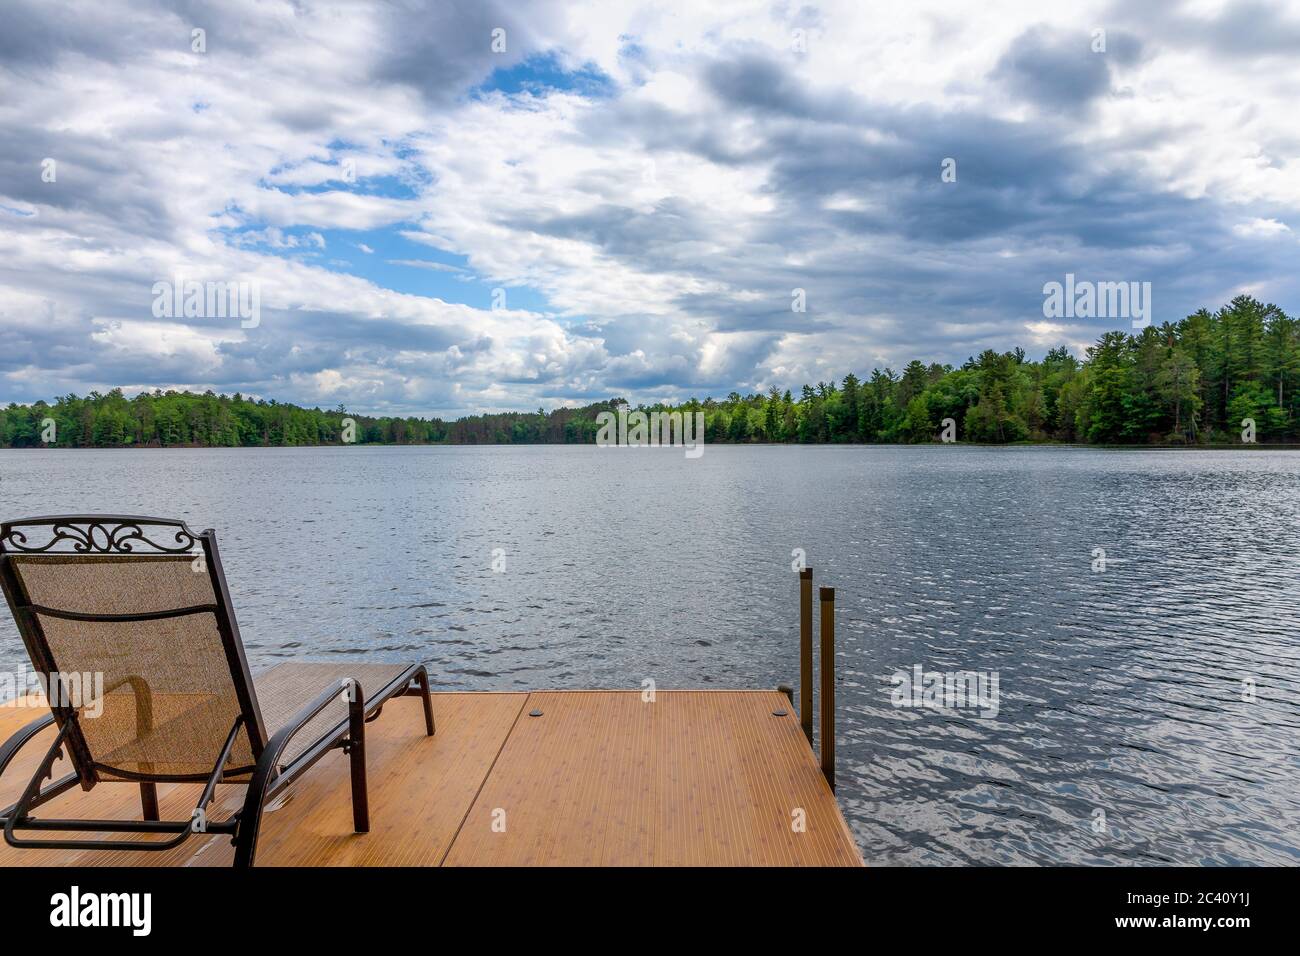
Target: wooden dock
[{"x": 600, "y": 778}]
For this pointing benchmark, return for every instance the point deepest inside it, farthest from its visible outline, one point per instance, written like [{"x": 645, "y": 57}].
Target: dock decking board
[
  {"x": 694, "y": 778},
  {"x": 601, "y": 778}
]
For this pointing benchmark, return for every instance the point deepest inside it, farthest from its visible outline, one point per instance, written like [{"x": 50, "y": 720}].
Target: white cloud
[
  {"x": 1260, "y": 227},
  {"x": 425, "y": 264}
]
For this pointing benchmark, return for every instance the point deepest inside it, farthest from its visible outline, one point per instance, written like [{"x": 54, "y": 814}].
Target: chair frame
[{"x": 266, "y": 778}]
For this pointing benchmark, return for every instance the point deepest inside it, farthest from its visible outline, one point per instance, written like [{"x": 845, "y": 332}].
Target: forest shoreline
[{"x": 1130, "y": 446}]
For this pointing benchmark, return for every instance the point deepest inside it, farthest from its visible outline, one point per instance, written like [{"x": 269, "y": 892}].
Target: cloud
[
  {"x": 425, "y": 264},
  {"x": 1260, "y": 227},
  {"x": 1061, "y": 70},
  {"x": 1251, "y": 30},
  {"x": 648, "y": 183}
]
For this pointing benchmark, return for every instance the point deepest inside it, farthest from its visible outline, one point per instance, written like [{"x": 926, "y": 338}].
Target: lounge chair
[{"x": 142, "y": 605}]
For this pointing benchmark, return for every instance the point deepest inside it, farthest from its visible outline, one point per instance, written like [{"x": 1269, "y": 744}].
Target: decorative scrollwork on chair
[{"x": 99, "y": 535}]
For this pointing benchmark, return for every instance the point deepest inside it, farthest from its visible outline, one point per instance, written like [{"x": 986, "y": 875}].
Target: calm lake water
[{"x": 1122, "y": 693}]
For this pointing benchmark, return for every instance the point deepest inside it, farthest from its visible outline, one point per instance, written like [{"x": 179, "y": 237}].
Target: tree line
[{"x": 1206, "y": 379}]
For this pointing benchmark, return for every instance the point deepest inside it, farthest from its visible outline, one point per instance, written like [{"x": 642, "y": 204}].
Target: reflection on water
[{"x": 1121, "y": 732}]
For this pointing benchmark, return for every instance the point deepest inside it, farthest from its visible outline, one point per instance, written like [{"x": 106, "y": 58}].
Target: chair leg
[
  {"x": 149, "y": 800},
  {"x": 357, "y": 754},
  {"x": 245, "y": 841},
  {"x": 422, "y": 678}
]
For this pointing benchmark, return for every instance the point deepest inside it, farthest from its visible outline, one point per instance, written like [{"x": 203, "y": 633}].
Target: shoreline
[{"x": 1215, "y": 446}]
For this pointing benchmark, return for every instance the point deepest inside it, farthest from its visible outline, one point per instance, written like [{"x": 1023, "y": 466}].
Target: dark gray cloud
[
  {"x": 441, "y": 49},
  {"x": 624, "y": 233},
  {"x": 1248, "y": 30},
  {"x": 36, "y": 34},
  {"x": 1061, "y": 70}
]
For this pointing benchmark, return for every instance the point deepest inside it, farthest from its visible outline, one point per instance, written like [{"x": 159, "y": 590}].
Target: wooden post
[
  {"x": 828, "y": 683},
  {"x": 805, "y": 654}
]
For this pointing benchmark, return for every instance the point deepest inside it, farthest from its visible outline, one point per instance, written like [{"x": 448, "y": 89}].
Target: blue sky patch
[{"x": 542, "y": 73}]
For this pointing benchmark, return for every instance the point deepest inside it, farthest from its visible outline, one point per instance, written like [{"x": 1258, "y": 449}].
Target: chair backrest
[{"x": 128, "y": 622}]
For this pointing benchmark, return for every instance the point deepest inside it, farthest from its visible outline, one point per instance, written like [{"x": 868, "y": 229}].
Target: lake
[{"x": 1146, "y": 713}]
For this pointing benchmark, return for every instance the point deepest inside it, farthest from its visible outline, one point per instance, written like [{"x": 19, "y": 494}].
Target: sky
[{"x": 456, "y": 207}]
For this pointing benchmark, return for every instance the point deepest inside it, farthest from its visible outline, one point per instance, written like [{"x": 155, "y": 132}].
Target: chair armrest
[
  {"x": 275, "y": 746},
  {"x": 16, "y": 742}
]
